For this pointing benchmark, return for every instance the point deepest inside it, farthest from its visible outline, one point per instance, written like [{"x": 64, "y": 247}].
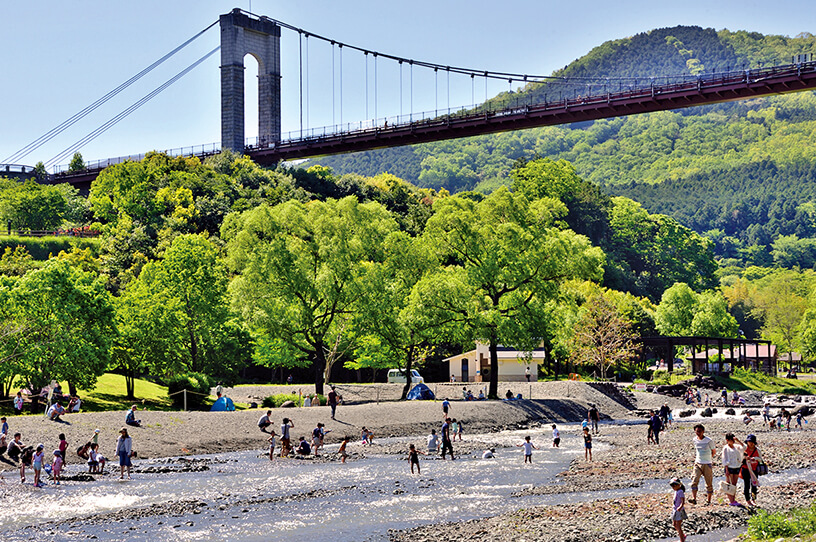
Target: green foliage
[
  {"x": 683, "y": 312},
  {"x": 772, "y": 525},
  {"x": 741, "y": 379},
  {"x": 41, "y": 248},
  {"x": 65, "y": 321},
  {"x": 299, "y": 271},
  {"x": 197, "y": 383},
  {"x": 77, "y": 163},
  {"x": 275, "y": 401},
  {"x": 31, "y": 206}
]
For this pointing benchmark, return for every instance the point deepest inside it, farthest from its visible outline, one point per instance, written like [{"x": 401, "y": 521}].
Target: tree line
[{"x": 205, "y": 268}]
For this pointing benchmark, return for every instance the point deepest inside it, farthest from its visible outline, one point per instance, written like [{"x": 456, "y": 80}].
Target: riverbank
[
  {"x": 625, "y": 483},
  {"x": 165, "y": 434}
]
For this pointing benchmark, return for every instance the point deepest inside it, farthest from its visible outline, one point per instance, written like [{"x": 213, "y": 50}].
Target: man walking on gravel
[
  {"x": 704, "y": 450},
  {"x": 334, "y": 398},
  {"x": 446, "y": 438},
  {"x": 593, "y": 417}
]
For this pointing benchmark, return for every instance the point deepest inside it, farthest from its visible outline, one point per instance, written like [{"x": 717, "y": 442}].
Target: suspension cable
[
  {"x": 114, "y": 120},
  {"x": 340, "y": 49},
  {"x": 300, "y": 62},
  {"x": 46, "y": 137}
]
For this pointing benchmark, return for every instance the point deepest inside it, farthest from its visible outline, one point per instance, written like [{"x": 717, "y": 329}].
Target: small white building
[{"x": 473, "y": 365}]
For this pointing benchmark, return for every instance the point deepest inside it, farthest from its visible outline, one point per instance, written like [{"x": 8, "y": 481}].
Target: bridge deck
[{"x": 688, "y": 92}]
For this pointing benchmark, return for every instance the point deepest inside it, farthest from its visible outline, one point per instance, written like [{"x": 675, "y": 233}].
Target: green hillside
[{"x": 743, "y": 168}]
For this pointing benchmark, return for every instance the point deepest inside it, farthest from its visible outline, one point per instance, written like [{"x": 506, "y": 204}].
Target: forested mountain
[{"x": 745, "y": 170}]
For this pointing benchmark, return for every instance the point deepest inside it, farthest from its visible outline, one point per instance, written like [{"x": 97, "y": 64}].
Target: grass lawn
[{"x": 109, "y": 394}]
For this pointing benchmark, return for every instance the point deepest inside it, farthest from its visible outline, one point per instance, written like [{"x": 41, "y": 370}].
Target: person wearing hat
[
  {"x": 678, "y": 507},
  {"x": 124, "y": 449},
  {"x": 748, "y": 472}
]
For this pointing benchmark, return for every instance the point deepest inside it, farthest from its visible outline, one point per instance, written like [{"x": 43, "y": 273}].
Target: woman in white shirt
[{"x": 732, "y": 456}]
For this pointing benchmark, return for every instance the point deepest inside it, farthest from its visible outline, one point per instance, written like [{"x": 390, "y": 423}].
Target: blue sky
[{"x": 59, "y": 57}]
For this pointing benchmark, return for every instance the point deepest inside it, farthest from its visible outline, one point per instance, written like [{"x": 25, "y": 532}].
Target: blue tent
[
  {"x": 421, "y": 391},
  {"x": 222, "y": 404}
]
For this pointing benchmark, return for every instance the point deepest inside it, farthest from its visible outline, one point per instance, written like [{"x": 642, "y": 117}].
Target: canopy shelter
[{"x": 713, "y": 354}]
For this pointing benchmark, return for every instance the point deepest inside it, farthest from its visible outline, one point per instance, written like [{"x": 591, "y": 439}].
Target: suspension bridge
[{"x": 545, "y": 100}]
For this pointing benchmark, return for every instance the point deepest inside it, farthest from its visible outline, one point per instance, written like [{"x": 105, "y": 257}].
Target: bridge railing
[
  {"x": 195, "y": 150},
  {"x": 509, "y": 104}
]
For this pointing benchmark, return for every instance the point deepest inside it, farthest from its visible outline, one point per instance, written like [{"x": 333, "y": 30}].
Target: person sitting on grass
[
  {"x": 55, "y": 412},
  {"x": 130, "y": 419}
]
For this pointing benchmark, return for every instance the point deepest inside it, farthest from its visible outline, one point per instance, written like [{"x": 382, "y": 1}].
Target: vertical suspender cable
[
  {"x": 340, "y": 48},
  {"x": 375, "y": 86},
  {"x": 400, "y": 64},
  {"x": 334, "y": 92},
  {"x": 448, "y": 85},
  {"x": 307, "y": 81},
  {"x": 436, "y": 92},
  {"x": 366, "y": 83},
  {"x": 485, "y": 102},
  {"x": 300, "y": 53},
  {"x": 411, "y": 63},
  {"x": 472, "y": 91}
]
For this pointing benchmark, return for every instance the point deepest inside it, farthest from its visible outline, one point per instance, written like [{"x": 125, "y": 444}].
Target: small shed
[{"x": 474, "y": 365}]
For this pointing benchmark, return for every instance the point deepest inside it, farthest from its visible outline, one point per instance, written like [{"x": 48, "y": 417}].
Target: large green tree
[
  {"x": 390, "y": 333},
  {"x": 175, "y": 317},
  {"x": 68, "y": 321},
  {"x": 31, "y": 206},
  {"x": 506, "y": 259},
  {"x": 298, "y": 269}
]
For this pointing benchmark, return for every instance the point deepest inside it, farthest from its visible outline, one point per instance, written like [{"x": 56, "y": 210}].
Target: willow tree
[
  {"x": 299, "y": 269},
  {"x": 506, "y": 258}
]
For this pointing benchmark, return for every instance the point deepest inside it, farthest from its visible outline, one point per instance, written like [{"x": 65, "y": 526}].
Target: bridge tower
[{"x": 242, "y": 35}]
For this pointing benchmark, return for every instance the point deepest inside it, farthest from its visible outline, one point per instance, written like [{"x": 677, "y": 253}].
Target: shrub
[
  {"x": 274, "y": 401},
  {"x": 197, "y": 383},
  {"x": 660, "y": 377}
]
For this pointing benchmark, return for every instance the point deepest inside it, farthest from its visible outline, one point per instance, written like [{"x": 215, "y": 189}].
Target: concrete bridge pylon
[{"x": 242, "y": 35}]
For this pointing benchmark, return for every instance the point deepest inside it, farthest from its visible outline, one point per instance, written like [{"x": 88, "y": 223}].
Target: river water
[
  {"x": 359, "y": 500},
  {"x": 250, "y": 498}
]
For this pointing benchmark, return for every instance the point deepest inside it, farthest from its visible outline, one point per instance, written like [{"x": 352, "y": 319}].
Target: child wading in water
[
  {"x": 272, "y": 443},
  {"x": 413, "y": 458},
  {"x": 587, "y": 444},
  {"x": 342, "y": 450},
  {"x": 528, "y": 449},
  {"x": 679, "y": 507}
]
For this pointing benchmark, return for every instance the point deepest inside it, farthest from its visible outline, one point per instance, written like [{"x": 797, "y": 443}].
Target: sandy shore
[
  {"x": 628, "y": 463},
  {"x": 165, "y": 434}
]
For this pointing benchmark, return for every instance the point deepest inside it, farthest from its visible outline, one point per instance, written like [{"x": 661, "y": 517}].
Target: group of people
[
  {"x": 305, "y": 447},
  {"x": 467, "y": 395},
  {"x": 783, "y": 421},
  {"x": 54, "y": 411},
  {"x": 739, "y": 460},
  {"x": 36, "y": 459}
]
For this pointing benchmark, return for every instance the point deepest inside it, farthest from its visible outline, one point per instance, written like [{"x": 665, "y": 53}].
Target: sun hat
[{"x": 675, "y": 482}]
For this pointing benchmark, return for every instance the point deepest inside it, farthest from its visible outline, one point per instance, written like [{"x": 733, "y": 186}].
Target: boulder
[
  {"x": 806, "y": 410},
  {"x": 675, "y": 390},
  {"x": 707, "y": 412},
  {"x": 288, "y": 404},
  {"x": 752, "y": 412},
  {"x": 730, "y": 412},
  {"x": 687, "y": 413}
]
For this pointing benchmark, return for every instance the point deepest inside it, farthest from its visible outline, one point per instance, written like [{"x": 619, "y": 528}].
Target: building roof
[{"x": 748, "y": 351}]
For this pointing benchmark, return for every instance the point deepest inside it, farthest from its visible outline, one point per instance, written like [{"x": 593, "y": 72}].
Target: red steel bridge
[{"x": 676, "y": 93}]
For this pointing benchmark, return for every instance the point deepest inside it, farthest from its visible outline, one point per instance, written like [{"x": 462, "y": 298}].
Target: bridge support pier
[{"x": 242, "y": 35}]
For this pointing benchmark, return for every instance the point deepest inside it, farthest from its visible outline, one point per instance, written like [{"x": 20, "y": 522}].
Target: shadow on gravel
[{"x": 556, "y": 410}]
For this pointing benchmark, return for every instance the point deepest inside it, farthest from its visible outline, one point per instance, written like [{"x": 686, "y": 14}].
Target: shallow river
[
  {"x": 250, "y": 498},
  {"x": 359, "y": 500}
]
